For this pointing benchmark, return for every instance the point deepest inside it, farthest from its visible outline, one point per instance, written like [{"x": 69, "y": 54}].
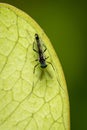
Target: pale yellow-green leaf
[{"x": 29, "y": 101}]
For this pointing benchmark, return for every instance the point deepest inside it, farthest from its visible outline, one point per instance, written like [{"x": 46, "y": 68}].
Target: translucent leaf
[{"x": 29, "y": 100}]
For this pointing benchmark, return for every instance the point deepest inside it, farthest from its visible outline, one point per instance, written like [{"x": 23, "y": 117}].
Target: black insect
[{"x": 40, "y": 51}]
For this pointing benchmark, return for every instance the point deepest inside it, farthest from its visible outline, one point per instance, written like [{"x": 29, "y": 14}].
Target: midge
[{"x": 40, "y": 51}]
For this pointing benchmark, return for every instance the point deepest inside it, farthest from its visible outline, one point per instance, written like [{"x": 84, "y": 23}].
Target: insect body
[{"x": 40, "y": 51}]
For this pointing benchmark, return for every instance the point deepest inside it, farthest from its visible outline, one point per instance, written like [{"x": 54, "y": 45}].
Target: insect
[{"x": 40, "y": 51}]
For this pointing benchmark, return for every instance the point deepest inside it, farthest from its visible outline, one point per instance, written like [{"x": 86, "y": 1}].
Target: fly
[
  {"x": 41, "y": 59},
  {"x": 40, "y": 51}
]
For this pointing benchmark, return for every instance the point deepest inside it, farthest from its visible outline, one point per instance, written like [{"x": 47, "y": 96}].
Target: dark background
[{"x": 65, "y": 23}]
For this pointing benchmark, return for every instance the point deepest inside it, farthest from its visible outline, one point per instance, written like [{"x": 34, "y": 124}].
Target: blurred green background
[{"x": 65, "y": 23}]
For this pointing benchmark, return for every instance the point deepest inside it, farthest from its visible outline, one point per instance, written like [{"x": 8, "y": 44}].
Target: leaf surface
[{"x": 29, "y": 101}]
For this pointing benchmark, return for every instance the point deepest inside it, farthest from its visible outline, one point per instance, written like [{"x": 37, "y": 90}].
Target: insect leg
[
  {"x": 35, "y": 67},
  {"x": 33, "y": 48},
  {"x": 36, "y": 60},
  {"x": 50, "y": 64},
  {"x": 45, "y": 48},
  {"x": 46, "y": 57}
]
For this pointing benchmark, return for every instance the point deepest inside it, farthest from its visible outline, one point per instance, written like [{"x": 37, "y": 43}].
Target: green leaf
[{"x": 29, "y": 101}]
